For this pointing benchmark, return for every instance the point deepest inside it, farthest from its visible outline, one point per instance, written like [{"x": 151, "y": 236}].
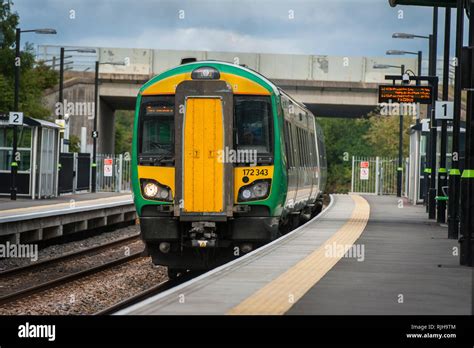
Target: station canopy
[{"x": 431, "y": 3}]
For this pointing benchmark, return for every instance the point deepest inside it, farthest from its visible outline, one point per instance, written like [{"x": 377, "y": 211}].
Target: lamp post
[
  {"x": 15, "y": 156},
  {"x": 442, "y": 171},
  {"x": 419, "y": 54},
  {"x": 94, "y": 133},
  {"x": 400, "y": 135},
  {"x": 431, "y": 151},
  {"x": 454, "y": 173}
]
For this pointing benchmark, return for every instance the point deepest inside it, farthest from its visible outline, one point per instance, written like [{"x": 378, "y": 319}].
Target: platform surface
[
  {"x": 410, "y": 267},
  {"x": 27, "y": 208},
  {"x": 399, "y": 263}
]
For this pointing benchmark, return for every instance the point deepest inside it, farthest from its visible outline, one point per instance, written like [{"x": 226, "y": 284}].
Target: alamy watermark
[
  {"x": 355, "y": 251},
  {"x": 22, "y": 251},
  {"x": 237, "y": 156},
  {"x": 396, "y": 109},
  {"x": 28, "y": 330},
  {"x": 75, "y": 108}
]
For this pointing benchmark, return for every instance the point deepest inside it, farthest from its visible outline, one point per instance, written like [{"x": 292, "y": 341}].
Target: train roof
[
  {"x": 256, "y": 76},
  {"x": 232, "y": 68}
]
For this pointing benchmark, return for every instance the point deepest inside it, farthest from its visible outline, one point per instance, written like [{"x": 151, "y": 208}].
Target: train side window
[
  {"x": 315, "y": 153},
  {"x": 305, "y": 147},
  {"x": 308, "y": 149},
  {"x": 294, "y": 145},
  {"x": 300, "y": 145},
  {"x": 288, "y": 147},
  {"x": 297, "y": 143},
  {"x": 303, "y": 152}
]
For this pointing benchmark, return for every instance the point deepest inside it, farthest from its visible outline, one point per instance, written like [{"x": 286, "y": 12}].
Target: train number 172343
[{"x": 256, "y": 172}]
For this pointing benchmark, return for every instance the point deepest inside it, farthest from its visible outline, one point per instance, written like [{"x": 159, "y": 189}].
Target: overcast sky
[{"x": 332, "y": 27}]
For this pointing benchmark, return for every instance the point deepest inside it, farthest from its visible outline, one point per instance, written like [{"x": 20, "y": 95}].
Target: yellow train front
[{"x": 223, "y": 162}]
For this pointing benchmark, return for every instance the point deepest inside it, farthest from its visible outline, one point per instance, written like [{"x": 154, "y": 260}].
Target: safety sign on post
[
  {"x": 108, "y": 163},
  {"x": 364, "y": 170}
]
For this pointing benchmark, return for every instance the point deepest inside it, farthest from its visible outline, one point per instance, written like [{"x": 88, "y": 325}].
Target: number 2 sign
[{"x": 15, "y": 118}]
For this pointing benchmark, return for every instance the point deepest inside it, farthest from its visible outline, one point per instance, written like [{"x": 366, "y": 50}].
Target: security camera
[
  {"x": 406, "y": 79},
  {"x": 66, "y": 117}
]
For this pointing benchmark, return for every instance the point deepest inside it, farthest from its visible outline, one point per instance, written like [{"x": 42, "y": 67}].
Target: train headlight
[
  {"x": 164, "y": 194},
  {"x": 205, "y": 73},
  {"x": 152, "y": 189},
  {"x": 259, "y": 189},
  {"x": 246, "y": 194}
]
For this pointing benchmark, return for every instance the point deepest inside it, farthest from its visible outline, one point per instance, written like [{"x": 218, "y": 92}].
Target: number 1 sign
[{"x": 444, "y": 110}]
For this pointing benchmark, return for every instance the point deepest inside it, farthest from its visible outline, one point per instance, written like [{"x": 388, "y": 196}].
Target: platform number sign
[
  {"x": 108, "y": 164},
  {"x": 364, "y": 170},
  {"x": 15, "y": 118},
  {"x": 444, "y": 110}
]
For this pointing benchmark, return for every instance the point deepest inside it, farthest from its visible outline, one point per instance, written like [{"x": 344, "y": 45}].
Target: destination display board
[{"x": 405, "y": 94}]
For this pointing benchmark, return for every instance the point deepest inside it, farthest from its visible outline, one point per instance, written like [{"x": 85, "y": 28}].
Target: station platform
[
  {"x": 361, "y": 255},
  {"x": 26, "y": 220}
]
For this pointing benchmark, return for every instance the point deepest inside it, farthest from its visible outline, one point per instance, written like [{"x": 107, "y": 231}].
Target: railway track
[
  {"x": 155, "y": 290},
  {"x": 50, "y": 284},
  {"x": 68, "y": 256}
]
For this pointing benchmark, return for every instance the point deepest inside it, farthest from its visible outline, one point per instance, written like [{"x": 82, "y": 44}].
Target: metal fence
[
  {"x": 376, "y": 175},
  {"x": 113, "y": 173}
]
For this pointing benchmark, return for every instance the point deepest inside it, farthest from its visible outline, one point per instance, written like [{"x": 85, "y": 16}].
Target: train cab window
[
  {"x": 157, "y": 126},
  {"x": 253, "y": 123}
]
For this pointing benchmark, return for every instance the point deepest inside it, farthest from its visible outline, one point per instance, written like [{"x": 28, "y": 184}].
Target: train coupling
[{"x": 203, "y": 234}]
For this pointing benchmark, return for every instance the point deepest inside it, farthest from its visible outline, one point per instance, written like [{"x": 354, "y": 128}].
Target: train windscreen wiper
[{"x": 156, "y": 160}]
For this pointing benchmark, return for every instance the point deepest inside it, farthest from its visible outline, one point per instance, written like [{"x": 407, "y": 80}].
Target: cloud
[{"x": 333, "y": 27}]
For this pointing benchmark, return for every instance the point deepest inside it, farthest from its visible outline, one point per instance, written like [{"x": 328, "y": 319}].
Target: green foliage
[
  {"x": 383, "y": 135},
  {"x": 74, "y": 143},
  {"x": 344, "y": 138},
  {"x": 34, "y": 79},
  {"x": 123, "y": 131}
]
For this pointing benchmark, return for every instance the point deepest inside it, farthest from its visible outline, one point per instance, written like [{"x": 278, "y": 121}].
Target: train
[{"x": 223, "y": 162}]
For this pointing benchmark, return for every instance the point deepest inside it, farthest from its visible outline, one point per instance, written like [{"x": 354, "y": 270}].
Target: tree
[
  {"x": 35, "y": 78},
  {"x": 344, "y": 138},
  {"x": 74, "y": 143},
  {"x": 123, "y": 131},
  {"x": 383, "y": 135},
  {"x": 375, "y": 136}
]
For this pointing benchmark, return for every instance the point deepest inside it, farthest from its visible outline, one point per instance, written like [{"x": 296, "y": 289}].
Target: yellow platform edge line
[
  {"x": 77, "y": 204},
  {"x": 278, "y": 296}
]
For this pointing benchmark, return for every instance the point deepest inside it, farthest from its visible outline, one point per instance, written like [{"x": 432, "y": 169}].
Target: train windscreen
[
  {"x": 252, "y": 121},
  {"x": 157, "y": 126}
]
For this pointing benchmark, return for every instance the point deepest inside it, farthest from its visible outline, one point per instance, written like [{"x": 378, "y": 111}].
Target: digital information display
[{"x": 405, "y": 94}]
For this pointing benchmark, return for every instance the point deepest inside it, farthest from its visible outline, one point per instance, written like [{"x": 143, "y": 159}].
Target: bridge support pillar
[{"x": 106, "y": 128}]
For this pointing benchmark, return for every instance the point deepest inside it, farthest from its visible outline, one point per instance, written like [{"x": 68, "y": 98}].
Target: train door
[
  {"x": 203, "y": 139},
  {"x": 203, "y": 129}
]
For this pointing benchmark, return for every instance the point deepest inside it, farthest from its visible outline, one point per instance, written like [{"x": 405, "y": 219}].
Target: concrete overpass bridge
[{"x": 331, "y": 86}]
